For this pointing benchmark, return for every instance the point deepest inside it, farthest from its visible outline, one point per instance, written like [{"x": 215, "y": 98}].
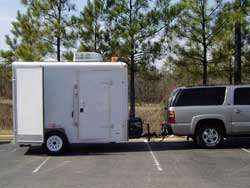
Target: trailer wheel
[{"x": 55, "y": 143}]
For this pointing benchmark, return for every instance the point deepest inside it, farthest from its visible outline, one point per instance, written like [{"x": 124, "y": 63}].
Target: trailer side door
[
  {"x": 95, "y": 106},
  {"x": 28, "y": 104}
]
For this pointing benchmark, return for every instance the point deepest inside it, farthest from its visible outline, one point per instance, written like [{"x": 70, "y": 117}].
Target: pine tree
[
  {"x": 90, "y": 26},
  {"x": 240, "y": 9},
  {"x": 26, "y": 42},
  {"x": 55, "y": 18},
  {"x": 133, "y": 24},
  {"x": 232, "y": 41},
  {"x": 195, "y": 30}
]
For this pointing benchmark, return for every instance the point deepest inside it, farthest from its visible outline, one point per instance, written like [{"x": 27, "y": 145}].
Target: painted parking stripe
[
  {"x": 62, "y": 164},
  {"x": 157, "y": 164},
  {"x": 40, "y": 166},
  {"x": 246, "y": 150},
  {"x": 14, "y": 150}
]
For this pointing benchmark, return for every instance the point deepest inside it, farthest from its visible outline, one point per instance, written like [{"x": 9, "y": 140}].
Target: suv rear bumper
[{"x": 181, "y": 129}]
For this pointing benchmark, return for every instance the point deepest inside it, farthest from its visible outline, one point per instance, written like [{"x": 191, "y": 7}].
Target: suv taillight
[{"x": 171, "y": 117}]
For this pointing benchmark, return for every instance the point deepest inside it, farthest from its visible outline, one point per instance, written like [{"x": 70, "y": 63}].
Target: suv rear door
[{"x": 241, "y": 111}]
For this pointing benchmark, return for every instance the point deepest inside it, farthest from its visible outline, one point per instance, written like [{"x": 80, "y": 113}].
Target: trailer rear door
[{"x": 29, "y": 104}]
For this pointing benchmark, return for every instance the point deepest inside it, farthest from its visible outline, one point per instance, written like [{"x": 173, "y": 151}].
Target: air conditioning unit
[{"x": 87, "y": 57}]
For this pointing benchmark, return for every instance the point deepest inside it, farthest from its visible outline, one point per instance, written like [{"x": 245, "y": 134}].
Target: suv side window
[
  {"x": 201, "y": 96},
  {"x": 242, "y": 96}
]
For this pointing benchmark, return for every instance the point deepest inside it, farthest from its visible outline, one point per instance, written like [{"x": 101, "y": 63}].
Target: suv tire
[{"x": 209, "y": 136}]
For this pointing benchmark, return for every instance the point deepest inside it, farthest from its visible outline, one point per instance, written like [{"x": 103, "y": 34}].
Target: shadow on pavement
[
  {"x": 119, "y": 149},
  {"x": 4, "y": 142},
  {"x": 96, "y": 149}
]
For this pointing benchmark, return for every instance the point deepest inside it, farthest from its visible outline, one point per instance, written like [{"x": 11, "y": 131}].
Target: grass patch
[
  {"x": 6, "y": 132},
  {"x": 5, "y": 115},
  {"x": 5, "y": 101},
  {"x": 152, "y": 114}
]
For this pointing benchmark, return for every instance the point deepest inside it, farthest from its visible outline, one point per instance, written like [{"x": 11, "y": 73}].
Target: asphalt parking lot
[{"x": 134, "y": 164}]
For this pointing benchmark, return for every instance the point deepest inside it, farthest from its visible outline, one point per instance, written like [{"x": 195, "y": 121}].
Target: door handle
[
  {"x": 81, "y": 110},
  {"x": 237, "y": 111}
]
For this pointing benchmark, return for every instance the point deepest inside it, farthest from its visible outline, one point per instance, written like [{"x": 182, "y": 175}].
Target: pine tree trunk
[
  {"x": 205, "y": 65},
  {"x": 58, "y": 45},
  {"x": 58, "y": 39},
  {"x": 230, "y": 72},
  {"x": 237, "y": 58},
  {"x": 204, "y": 43},
  {"x": 132, "y": 68},
  {"x": 132, "y": 87},
  {"x": 95, "y": 36}
]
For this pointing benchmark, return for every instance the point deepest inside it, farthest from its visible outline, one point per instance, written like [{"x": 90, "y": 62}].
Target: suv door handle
[{"x": 237, "y": 111}]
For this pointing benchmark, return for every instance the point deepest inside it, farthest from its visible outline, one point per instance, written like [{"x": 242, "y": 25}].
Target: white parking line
[
  {"x": 14, "y": 150},
  {"x": 62, "y": 164},
  {"x": 157, "y": 164},
  {"x": 246, "y": 150},
  {"x": 38, "y": 168}
]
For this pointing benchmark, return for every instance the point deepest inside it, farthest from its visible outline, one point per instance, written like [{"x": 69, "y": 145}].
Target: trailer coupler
[{"x": 166, "y": 129}]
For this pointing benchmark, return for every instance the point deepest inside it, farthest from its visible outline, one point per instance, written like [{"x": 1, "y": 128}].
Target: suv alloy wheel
[{"x": 209, "y": 136}]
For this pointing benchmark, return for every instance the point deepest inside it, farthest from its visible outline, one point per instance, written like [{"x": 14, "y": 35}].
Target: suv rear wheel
[{"x": 209, "y": 136}]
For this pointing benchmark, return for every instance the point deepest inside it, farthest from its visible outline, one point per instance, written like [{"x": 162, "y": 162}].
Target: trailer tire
[{"x": 55, "y": 143}]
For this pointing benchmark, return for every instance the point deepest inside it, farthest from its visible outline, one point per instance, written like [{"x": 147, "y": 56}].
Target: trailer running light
[
  {"x": 114, "y": 59},
  {"x": 171, "y": 117}
]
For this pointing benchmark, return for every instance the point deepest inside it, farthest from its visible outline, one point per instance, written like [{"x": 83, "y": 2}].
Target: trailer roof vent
[{"x": 87, "y": 57}]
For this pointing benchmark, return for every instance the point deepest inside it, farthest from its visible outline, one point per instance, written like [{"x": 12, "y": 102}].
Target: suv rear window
[
  {"x": 200, "y": 96},
  {"x": 173, "y": 96},
  {"x": 242, "y": 96}
]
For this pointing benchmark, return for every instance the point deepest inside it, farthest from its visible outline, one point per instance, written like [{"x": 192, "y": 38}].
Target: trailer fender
[{"x": 61, "y": 130}]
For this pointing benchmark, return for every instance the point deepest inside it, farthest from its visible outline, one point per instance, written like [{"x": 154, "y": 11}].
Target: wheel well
[
  {"x": 216, "y": 122},
  {"x": 59, "y": 131}
]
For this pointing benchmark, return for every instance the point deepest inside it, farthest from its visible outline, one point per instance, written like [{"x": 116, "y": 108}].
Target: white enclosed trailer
[{"x": 76, "y": 102}]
